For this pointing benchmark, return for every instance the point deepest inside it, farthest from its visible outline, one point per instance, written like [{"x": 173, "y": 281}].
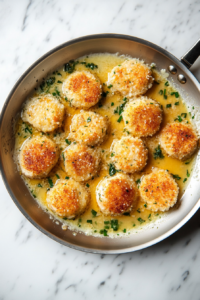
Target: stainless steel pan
[{"x": 111, "y": 43}]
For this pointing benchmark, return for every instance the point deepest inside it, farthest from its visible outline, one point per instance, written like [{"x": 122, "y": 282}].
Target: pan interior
[{"x": 33, "y": 77}]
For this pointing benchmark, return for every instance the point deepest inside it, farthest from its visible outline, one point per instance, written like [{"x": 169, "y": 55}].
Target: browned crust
[
  {"x": 180, "y": 140},
  {"x": 92, "y": 89},
  {"x": 39, "y": 156},
  {"x": 120, "y": 196}
]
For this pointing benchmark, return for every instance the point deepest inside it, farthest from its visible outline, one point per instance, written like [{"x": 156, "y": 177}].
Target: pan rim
[{"x": 17, "y": 203}]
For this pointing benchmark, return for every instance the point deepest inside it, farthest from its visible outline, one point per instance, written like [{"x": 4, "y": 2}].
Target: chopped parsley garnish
[
  {"x": 110, "y": 86},
  {"x": 59, "y": 81},
  {"x": 94, "y": 213},
  {"x": 50, "y": 182},
  {"x": 87, "y": 184},
  {"x": 68, "y": 142},
  {"x": 114, "y": 224},
  {"x": 124, "y": 230},
  {"x": 28, "y": 129},
  {"x": 149, "y": 216},
  {"x": 32, "y": 192},
  {"x": 175, "y": 176},
  {"x": 39, "y": 185},
  {"x": 168, "y": 105},
  {"x": 112, "y": 104},
  {"x": 67, "y": 177},
  {"x": 187, "y": 162},
  {"x": 70, "y": 66},
  {"x": 112, "y": 154},
  {"x": 188, "y": 174},
  {"x": 57, "y": 176},
  {"x": 146, "y": 190},
  {"x": 89, "y": 221},
  {"x": 92, "y": 66},
  {"x": 104, "y": 232},
  {"x": 164, "y": 94},
  {"x": 176, "y": 103},
  {"x": 161, "y": 92},
  {"x": 178, "y": 119},
  {"x": 112, "y": 170},
  {"x": 176, "y": 94},
  {"x": 184, "y": 180},
  {"x": 138, "y": 210},
  {"x": 126, "y": 214},
  {"x": 106, "y": 222},
  {"x": 166, "y": 83},
  {"x": 119, "y": 120},
  {"x": 141, "y": 220},
  {"x": 145, "y": 205},
  {"x": 50, "y": 81},
  {"x": 88, "y": 119},
  {"x": 158, "y": 153},
  {"x": 184, "y": 115},
  {"x": 138, "y": 181}
]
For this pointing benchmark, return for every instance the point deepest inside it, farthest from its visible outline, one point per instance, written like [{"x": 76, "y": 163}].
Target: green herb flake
[
  {"x": 88, "y": 119},
  {"x": 184, "y": 180},
  {"x": 158, "y": 153},
  {"x": 168, "y": 105},
  {"x": 57, "y": 176},
  {"x": 164, "y": 94},
  {"x": 89, "y": 221},
  {"x": 175, "y": 176},
  {"x": 110, "y": 86},
  {"x": 50, "y": 182},
  {"x": 166, "y": 83},
  {"x": 112, "y": 104},
  {"x": 68, "y": 142},
  {"x": 161, "y": 92},
  {"x": 39, "y": 185},
  {"x": 141, "y": 220},
  {"x": 176, "y": 103},
  {"x": 67, "y": 177},
  {"x": 59, "y": 81},
  {"x": 114, "y": 224},
  {"x": 94, "y": 212},
  {"x": 184, "y": 115},
  {"x": 178, "y": 119},
  {"x": 119, "y": 120},
  {"x": 126, "y": 214},
  {"x": 112, "y": 170},
  {"x": 106, "y": 222},
  {"x": 87, "y": 184},
  {"x": 145, "y": 205},
  {"x": 188, "y": 174},
  {"x": 124, "y": 230},
  {"x": 112, "y": 154}
]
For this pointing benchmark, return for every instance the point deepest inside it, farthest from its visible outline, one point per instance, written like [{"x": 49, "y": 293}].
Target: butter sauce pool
[{"x": 93, "y": 222}]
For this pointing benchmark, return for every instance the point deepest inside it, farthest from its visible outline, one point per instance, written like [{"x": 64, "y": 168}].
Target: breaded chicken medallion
[
  {"x": 142, "y": 116},
  {"x": 159, "y": 190},
  {"x": 81, "y": 162},
  {"x": 129, "y": 154},
  {"x": 38, "y": 156},
  {"x": 44, "y": 112},
  {"x": 82, "y": 89},
  {"x": 131, "y": 78},
  {"x": 116, "y": 195},
  {"x": 179, "y": 140},
  {"x": 88, "y": 128},
  {"x": 68, "y": 199}
]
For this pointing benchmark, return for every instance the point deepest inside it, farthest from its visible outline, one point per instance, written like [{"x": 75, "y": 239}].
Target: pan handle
[{"x": 190, "y": 56}]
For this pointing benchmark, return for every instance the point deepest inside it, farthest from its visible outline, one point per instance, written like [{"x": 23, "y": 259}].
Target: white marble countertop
[{"x": 32, "y": 266}]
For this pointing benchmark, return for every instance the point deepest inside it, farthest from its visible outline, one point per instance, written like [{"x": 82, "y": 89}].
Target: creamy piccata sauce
[{"x": 93, "y": 222}]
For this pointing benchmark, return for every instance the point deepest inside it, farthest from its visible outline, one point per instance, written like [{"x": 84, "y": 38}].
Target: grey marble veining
[{"x": 31, "y": 265}]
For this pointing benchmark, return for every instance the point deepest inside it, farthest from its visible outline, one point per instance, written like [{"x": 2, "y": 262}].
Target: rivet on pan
[
  {"x": 181, "y": 78},
  {"x": 172, "y": 69}
]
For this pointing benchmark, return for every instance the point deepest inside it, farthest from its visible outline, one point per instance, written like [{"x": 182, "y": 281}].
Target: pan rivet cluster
[
  {"x": 172, "y": 69},
  {"x": 181, "y": 78}
]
